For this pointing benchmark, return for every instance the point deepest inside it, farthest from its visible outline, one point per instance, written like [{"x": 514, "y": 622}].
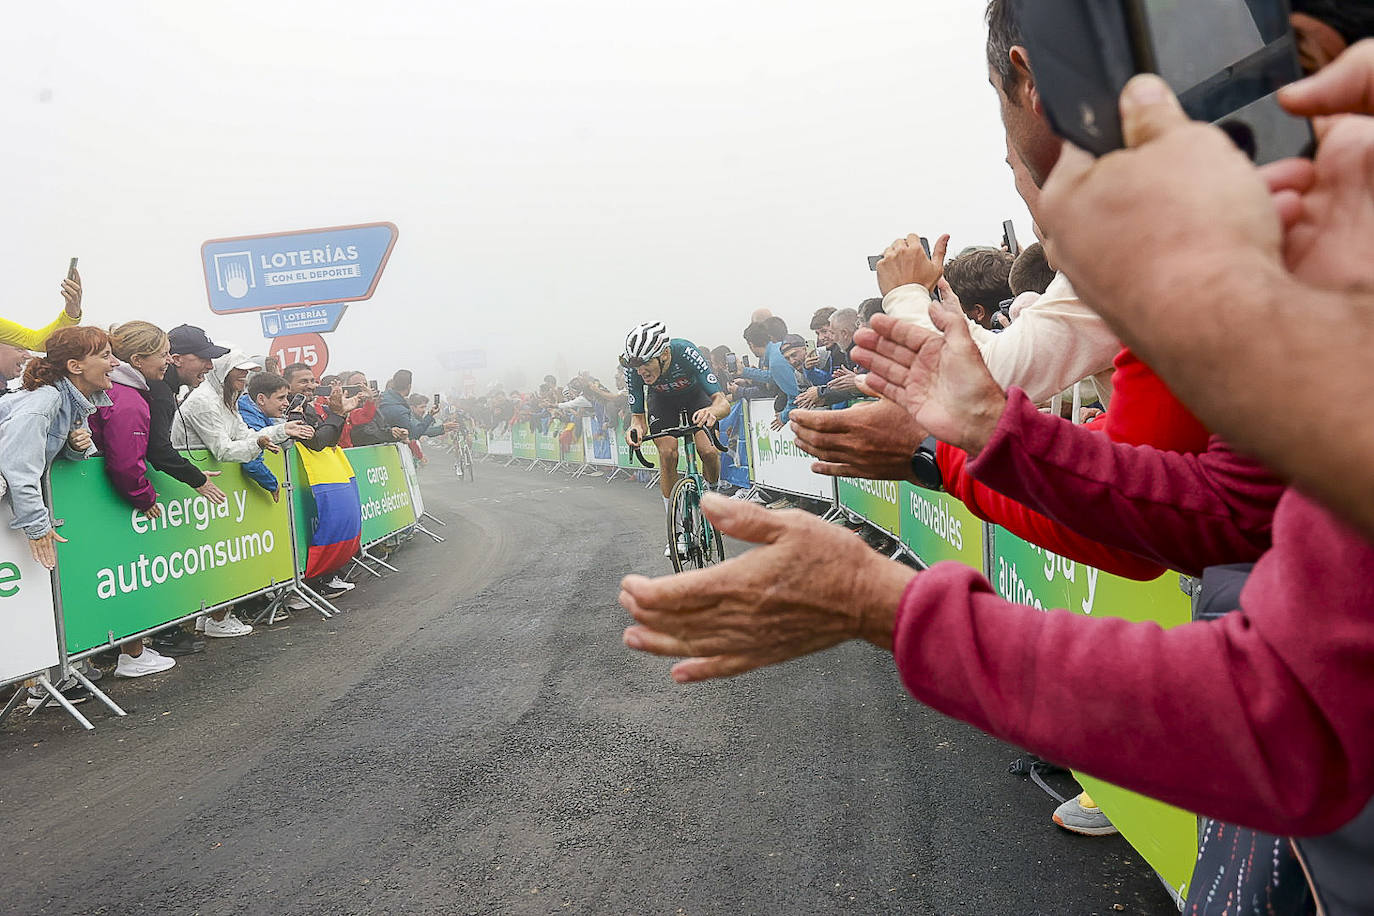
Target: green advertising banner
[
  {"x": 123, "y": 572},
  {"x": 383, "y": 490},
  {"x": 522, "y": 441},
  {"x": 1165, "y": 837},
  {"x": 879, "y": 501},
  {"x": 625, "y": 459},
  {"x": 479, "y": 443},
  {"x": 546, "y": 445},
  {"x": 937, "y": 527}
]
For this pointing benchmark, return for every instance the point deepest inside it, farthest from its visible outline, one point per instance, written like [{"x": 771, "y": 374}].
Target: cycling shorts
[{"x": 665, "y": 410}]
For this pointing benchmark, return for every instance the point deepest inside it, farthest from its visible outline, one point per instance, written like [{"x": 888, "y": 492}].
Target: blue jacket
[
  {"x": 34, "y": 426},
  {"x": 257, "y": 468},
  {"x": 780, "y": 373},
  {"x": 396, "y": 412}
]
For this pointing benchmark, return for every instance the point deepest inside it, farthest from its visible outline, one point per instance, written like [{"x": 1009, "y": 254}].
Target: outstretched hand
[
  {"x": 809, "y": 586},
  {"x": 942, "y": 381}
]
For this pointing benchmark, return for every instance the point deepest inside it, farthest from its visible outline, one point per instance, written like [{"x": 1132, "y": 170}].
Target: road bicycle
[
  {"x": 704, "y": 544},
  {"x": 462, "y": 455}
]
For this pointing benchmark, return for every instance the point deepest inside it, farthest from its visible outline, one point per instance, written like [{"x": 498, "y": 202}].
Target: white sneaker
[
  {"x": 147, "y": 662},
  {"x": 336, "y": 582},
  {"x": 297, "y": 603},
  {"x": 668, "y": 552},
  {"x": 200, "y": 623},
  {"x": 229, "y": 626}
]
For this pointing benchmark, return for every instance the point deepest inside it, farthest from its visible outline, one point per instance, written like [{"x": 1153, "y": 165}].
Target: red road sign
[{"x": 302, "y": 348}]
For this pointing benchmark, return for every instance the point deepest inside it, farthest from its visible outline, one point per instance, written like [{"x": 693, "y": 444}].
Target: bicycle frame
[{"x": 703, "y": 541}]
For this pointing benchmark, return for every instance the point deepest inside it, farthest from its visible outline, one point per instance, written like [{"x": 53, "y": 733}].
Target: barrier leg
[
  {"x": 19, "y": 695},
  {"x": 378, "y": 560},
  {"x": 366, "y": 568},
  {"x": 274, "y": 604},
  {"x": 315, "y": 599},
  {"x": 435, "y": 519},
  {"x": 97, "y": 692},
  {"x": 55, "y": 695},
  {"x": 423, "y": 530}
]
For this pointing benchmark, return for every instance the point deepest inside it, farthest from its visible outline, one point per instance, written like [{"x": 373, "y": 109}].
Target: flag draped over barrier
[{"x": 338, "y": 510}]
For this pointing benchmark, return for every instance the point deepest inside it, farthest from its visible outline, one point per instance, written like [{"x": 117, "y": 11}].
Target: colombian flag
[{"x": 338, "y": 509}]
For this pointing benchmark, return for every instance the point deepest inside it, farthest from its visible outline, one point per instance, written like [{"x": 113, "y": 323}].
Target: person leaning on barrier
[
  {"x": 262, "y": 404},
  {"x": 328, "y": 417},
  {"x": 70, "y": 316},
  {"x": 396, "y": 410},
  {"x": 191, "y": 356},
  {"x": 48, "y": 418},
  {"x": 209, "y": 419},
  {"x": 365, "y": 426},
  {"x": 120, "y": 431}
]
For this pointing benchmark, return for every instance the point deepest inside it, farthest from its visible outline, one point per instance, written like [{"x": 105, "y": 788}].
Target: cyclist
[{"x": 665, "y": 377}]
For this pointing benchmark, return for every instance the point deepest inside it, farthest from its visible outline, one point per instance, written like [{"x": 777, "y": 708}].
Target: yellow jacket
[{"x": 29, "y": 338}]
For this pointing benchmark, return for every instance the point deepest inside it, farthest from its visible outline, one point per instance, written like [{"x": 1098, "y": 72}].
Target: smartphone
[
  {"x": 1009, "y": 238},
  {"x": 71, "y": 270},
  {"x": 745, "y": 360},
  {"x": 873, "y": 260},
  {"x": 731, "y": 363},
  {"x": 436, "y": 403},
  {"x": 1226, "y": 60},
  {"x": 925, "y": 246}
]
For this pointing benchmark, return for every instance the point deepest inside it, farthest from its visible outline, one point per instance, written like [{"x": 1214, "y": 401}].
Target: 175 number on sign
[{"x": 302, "y": 348}]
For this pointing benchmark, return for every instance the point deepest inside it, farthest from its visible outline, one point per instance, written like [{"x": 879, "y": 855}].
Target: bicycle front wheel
[{"x": 693, "y": 541}]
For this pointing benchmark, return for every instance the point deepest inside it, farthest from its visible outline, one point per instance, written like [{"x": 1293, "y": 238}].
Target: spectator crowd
[
  {"x": 1121, "y": 393},
  {"x": 147, "y": 399}
]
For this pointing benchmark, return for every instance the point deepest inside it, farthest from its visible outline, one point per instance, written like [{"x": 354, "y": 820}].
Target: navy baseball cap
[{"x": 188, "y": 339}]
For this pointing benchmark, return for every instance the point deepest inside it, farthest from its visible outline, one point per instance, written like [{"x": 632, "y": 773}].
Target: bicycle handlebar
[{"x": 679, "y": 432}]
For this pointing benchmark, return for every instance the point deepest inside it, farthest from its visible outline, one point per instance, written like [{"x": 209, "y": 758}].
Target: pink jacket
[
  {"x": 121, "y": 434},
  {"x": 1261, "y": 718}
]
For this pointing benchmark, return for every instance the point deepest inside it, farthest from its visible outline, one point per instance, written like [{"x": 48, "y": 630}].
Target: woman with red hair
[{"x": 47, "y": 418}]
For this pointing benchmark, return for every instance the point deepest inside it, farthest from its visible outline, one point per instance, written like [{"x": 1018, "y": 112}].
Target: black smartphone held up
[
  {"x": 925, "y": 246},
  {"x": 71, "y": 270},
  {"x": 1009, "y": 238},
  {"x": 1226, "y": 60},
  {"x": 873, "y": 260},
  {"x": 436, "y": 403}
]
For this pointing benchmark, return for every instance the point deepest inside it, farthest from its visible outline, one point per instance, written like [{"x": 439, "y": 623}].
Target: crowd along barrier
[{"x": 122, "y": 575}]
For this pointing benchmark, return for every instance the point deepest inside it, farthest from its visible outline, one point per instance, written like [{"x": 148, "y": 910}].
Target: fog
[{"x": 557, "y": 171}]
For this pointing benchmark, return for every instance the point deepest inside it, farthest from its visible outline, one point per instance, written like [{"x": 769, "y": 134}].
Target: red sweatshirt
[
  {"x": 1262, "y": 718},
  {"x": 1144, "y": 412}
]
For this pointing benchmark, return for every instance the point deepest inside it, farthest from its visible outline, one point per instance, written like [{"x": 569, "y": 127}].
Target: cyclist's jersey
[{"x": 687, "y": 371}]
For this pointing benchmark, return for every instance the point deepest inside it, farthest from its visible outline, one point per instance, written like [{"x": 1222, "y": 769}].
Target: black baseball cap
[{"x": 188, "y": 339}]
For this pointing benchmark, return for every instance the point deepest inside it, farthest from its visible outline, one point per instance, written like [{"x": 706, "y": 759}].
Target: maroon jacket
[
  {"x": 121, "y": 434},
  {"x": 1262, "y": 718}
]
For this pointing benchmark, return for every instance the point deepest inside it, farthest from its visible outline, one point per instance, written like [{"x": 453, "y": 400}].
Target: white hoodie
[{"x": 204, "y": 422}]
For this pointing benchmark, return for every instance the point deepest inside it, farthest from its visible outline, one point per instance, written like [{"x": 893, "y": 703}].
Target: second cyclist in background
[{"x": 666, "y": 377}]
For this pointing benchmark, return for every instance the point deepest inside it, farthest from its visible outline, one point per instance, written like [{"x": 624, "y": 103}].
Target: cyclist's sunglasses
[{"x": 634, "y": 362}]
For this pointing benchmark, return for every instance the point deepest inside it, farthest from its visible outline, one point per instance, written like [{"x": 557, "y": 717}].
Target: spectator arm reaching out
[
  {"x": 1287, "y": 261},
  {"x": 1056, "y": 342}
]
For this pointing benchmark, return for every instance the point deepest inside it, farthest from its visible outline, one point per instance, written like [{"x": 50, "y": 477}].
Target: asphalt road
[{"x": 469, "y": 736}]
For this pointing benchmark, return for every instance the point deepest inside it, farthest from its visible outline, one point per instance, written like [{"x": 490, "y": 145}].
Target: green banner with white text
[
  {"x": 382, "y": 490},
  {"x": 1165, "y": 837},
  {"x": 123, "y": 572}
]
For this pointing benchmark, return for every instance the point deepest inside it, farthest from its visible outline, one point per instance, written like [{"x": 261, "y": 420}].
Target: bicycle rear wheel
[{"x": 467, "y": 463}]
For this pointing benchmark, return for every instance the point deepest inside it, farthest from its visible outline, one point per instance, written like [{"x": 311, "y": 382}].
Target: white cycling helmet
[{"x": 645, "y": 342}]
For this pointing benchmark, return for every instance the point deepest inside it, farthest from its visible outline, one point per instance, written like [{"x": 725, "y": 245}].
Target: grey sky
[{"x": 558, "y": 170}]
